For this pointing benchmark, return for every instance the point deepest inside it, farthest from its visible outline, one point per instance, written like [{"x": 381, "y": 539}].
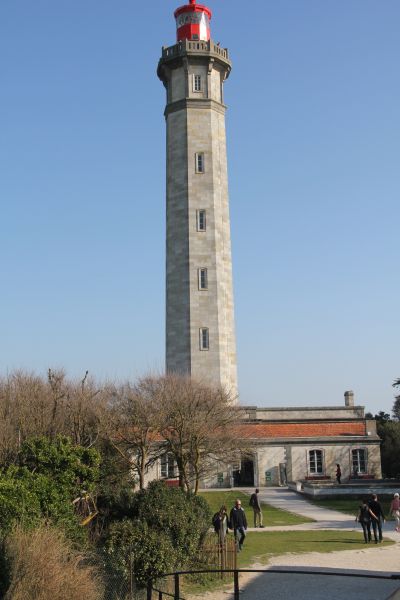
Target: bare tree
[
  {"x": 132, "y": 422},
  {"x": 199, "y": 426},
  {"x": 83, "y": 406},
  {"x": 32, "y": 406}
]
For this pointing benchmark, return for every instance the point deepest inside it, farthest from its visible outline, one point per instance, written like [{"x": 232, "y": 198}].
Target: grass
[
  {"x": 350, "y": 505},
  {"x": 272, "y": 516}
]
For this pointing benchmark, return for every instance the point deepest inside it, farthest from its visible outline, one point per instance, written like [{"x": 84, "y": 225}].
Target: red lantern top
[{"x": 192, "y": 22}]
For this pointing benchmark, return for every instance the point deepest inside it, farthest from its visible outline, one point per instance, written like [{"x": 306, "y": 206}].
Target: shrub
[
  {"x": 164, "y": 532},
  {"x": 72, "y": 467},
  {"x": 42, "y": 565},
  {"x": 51, "y": 473},
  {"x": 133, "y": 546},
  {"x": 184, "y": 517}
]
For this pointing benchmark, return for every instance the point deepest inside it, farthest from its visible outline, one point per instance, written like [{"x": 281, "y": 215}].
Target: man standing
[
  {"x": 377, "y": 518},
  {"x": 256, "y": 506},
  {"x": 338, "y": 473},
  {"x": 238, "y": 522}
]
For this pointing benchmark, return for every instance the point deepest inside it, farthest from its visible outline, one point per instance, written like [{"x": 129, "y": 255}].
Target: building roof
[{"x": 302, "y": 430}]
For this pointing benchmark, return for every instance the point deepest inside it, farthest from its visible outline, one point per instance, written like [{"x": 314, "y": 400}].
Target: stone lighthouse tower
[{"x": 200, "y": 332}]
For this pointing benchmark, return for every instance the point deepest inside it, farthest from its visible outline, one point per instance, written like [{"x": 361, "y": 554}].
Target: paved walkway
[{"x": 323, "y": 518}]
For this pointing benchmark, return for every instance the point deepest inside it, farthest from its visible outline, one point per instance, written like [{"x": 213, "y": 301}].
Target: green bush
[
  {"x": 73, "y": 468},
  {"x": 50, "y": 474},
  {"x": 133, "y": 546},
  {"x": 184, "y": 516},
  {"x": 163, "y": 533}
]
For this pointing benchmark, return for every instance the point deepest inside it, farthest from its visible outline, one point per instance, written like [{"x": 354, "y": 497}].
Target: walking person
[
  {"x": 364, "y": 518},
  {"x": 378, "y": 519},
  {"x": 338, "y": 473},
  {"x": 220, "y": 522},
  {"x": 238, "y": 522},
  {"x": 395, "y": 510},
  {"x": 257, "y": 510}
]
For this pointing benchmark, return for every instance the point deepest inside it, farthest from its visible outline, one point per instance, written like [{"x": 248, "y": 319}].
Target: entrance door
[{"x": 247, "y": 473}]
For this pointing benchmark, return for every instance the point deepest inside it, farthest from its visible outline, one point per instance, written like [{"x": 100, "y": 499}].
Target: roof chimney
[{"x": 349, "y": 398}]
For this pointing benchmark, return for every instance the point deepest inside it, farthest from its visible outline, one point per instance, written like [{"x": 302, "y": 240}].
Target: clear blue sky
[{"x": 314, "y": 164}]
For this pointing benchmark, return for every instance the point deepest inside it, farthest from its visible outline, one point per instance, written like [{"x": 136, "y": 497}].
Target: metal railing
[{"x": 176, "y": 595}]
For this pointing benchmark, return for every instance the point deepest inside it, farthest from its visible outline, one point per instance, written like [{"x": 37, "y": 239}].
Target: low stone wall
[{"x": 326, "y": 489}]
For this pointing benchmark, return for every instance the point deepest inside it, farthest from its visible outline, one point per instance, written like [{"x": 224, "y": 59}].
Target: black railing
[{"x": 151, "y": 591}]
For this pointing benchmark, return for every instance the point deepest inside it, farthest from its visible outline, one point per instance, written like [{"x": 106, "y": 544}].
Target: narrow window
[
  {"x": 359, "y": 461},
  {"x": 199, "y": 162},
  {"x": 204, "y": 339},
  {"x": 315, "y": 462},
  {"x": 197, "y": 83},
  {"x": 201, "y": 220},
  {"x": 168, "y": 470},
  {"x": 203, "y": 279}
]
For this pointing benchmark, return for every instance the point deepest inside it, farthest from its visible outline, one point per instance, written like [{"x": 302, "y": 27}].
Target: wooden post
[{"x": 149, "y": 590}]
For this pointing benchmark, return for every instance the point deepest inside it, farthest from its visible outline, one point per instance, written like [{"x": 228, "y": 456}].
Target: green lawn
[
  {"x": 272, "y": 516},
  {"x": 350, "y": 505}
]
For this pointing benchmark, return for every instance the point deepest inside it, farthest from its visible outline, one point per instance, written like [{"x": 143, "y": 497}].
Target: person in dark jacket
[
  {"x": 256, "y": 506},
  {"x": 364, "y": 518},
  {"x": 338, "y": 473},
  {"x": 377, "y": 519},
  {"x": 238, "y": 522}
]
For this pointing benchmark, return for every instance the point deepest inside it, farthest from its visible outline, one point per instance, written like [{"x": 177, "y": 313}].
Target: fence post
[
  {"x": 236, "y": 584},
  {"x": 177, "y": 593},
  {"x": 149, "y": 590}
]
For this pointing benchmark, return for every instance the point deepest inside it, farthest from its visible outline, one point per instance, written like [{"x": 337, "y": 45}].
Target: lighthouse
[{"x": 200, "y": 330}]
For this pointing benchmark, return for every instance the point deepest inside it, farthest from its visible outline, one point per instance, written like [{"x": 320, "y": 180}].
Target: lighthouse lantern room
[{"x": 193, "y": 22}]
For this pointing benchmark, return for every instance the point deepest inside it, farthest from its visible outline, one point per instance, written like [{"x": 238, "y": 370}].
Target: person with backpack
[
  {"x": 256, "y": 506},
  {"x": 364, "y": 518},
  {"x": 220, "y": 523},
  {"x": 238, "y": 522}
]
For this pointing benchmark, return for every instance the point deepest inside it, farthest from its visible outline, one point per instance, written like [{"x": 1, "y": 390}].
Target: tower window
[
  {"x": 199, "y": 162},
  {"x": 204, "y": 339},
  {"x": 203, "y": 279},
  {"x": 201, "y": 220},
  {"x": 197, "y": 83}
]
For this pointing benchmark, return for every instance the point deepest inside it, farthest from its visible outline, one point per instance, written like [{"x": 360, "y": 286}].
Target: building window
[
  {"x": 315, "y": 462},
  {"x": 168, "y": 468},
  {"x": 204, "y": 339},
  {"x": 199, "y": 162},
  {"x": 201, "y": 220},
  {"x": 359, "y": 461},
  {"x": 203, "y": 279},
  {"x": 197, "y": 83}
]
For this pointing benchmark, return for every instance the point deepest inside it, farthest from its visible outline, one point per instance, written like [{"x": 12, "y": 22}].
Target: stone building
[{"x": 297, "y": 445}]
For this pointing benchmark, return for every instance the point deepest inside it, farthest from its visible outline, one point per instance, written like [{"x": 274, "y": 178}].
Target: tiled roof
[{"x": 301, "y": 430}]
